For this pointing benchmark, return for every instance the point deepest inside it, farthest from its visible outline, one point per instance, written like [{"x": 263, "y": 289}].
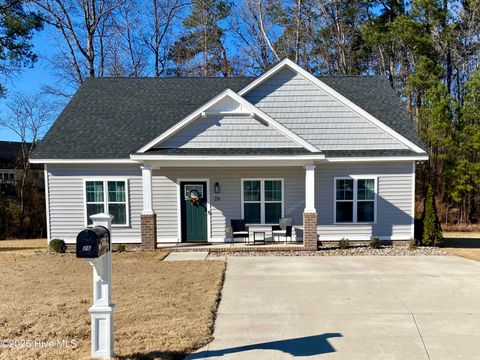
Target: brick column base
[
  {"x": 310, "y": 231},
  {"x": 149, "y": 231}
]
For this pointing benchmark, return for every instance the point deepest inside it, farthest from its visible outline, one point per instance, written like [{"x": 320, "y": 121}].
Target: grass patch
[{"x": 164, "y": 309}]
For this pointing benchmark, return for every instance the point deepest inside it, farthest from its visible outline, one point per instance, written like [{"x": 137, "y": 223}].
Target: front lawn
[{"x": 164, "y": 309}]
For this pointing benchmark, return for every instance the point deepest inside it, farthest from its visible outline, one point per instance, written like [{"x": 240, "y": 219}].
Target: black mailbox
[{"x": 93, "y": 242}]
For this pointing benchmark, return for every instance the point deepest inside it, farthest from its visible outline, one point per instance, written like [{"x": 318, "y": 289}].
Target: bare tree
[
  {"x": 248, "y": 26},
  {"x": 28, "y": 116},
  {"x": 82, "y": 27},
  {"x": 163, "y": 15}
]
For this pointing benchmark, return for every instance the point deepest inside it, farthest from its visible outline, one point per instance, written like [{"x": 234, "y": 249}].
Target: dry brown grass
[
  {"x": 163, "y": 309},
  {"x": 465, "y": 244}
]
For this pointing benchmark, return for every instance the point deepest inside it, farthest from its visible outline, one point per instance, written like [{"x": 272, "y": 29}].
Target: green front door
[{"x": 193, "y": 198}]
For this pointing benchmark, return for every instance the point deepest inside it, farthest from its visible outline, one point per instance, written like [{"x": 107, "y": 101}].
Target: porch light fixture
[{"x": 216, "y": 188}]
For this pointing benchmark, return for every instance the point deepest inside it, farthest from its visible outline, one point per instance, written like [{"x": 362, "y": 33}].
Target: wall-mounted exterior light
[{"x": 216, "y": 188}]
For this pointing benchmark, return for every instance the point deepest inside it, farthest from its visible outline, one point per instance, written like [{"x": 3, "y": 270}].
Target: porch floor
[{"x": 221, "y": 247}]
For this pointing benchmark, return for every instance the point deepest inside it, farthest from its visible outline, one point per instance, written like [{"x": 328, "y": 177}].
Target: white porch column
[
  {"x": 310, "y": 188},
  {"x": 147, "y": 190}
]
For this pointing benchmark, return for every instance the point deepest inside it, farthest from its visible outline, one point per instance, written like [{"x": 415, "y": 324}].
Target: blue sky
[{"x": 29, "y": 80}]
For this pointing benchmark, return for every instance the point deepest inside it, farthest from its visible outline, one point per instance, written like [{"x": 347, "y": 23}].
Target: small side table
[{"x": 259, "y": 239}]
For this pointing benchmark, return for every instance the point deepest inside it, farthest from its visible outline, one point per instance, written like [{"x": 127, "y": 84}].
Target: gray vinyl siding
[
  {"x": 338, "y": 232},
  {"x": 228, "y": 205},
  {"x": 394, "y": 201},
  {"x": 66, "y": 200},
  {"x": 394, "y": 198},
  {"x": 316, "y": 115},
  {"x": 216, "y": 131}
]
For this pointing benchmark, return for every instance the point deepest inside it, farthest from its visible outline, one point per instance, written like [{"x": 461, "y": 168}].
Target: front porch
[{"x": 224, "y": 200}]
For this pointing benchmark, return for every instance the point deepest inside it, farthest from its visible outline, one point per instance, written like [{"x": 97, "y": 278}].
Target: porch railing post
[
  {"x": 147, "y": 190},
  {"x": 310, "y": 213},
  {"x": 148, "y": 218}
]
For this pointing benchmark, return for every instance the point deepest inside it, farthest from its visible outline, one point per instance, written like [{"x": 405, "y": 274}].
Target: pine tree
[
  {"x": 201, "y": 50},
  {"x": 432, "y": 231},
  {"x": 16, "y": 30},
  {"x": 435, "y": 126},
  {"x": 464, "y": 174}
]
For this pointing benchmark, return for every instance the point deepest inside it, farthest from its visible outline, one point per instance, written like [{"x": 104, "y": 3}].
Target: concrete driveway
[{"x": 348, "y": 308}]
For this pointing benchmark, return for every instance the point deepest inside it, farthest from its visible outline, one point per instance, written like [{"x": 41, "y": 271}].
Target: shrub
[
  {"x": 58, "y": 245},
  {"x": 375, "y": 243},
  {"x": 412, "y": 244},
  {"x": 432, "y": 231},
  {"x": 121, "y": 248},
  {"x": 344, "y": 244}
]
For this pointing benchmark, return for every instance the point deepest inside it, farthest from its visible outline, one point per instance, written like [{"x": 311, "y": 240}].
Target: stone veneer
[
  {"x": 149, "y": 231},
  {"x": 310, "y": 230}
]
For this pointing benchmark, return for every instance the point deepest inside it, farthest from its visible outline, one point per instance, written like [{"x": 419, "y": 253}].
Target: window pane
[
  {"x": 251, "y": 213},
  {"x": 93, "y": 209},
  {"x": 344, "y": 211},
  {"x": 366, "y": 189},
  {"x": 119, "y": 213},
  {"x": 273, "y": 190},
  {"x": 251, "y": 190},
  {"x": 94, "y": 191},
  {"x": 116, "y": 191},
  {"x": 197, "y": 188},
  {"x": 345, "y": 189},
  {"x": 365, "y": 211},
  {"x": 273, "y": 212}
]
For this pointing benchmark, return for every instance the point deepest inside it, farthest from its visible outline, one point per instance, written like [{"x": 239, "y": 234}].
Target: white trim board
[
  {"x": 47, "y": 200},
  {"x": 320, "y": 84},
  {"x": 378, "y": 158},
  {"x": 105, "y": 180},
  {"x": 262, "y": 198},
  {"x": 355, "y": 200},
  {"x": 228, "y": 93},
  {"x": 81, "y": 161}
]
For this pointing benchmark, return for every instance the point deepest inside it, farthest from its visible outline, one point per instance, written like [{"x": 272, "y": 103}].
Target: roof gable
[
  {"x": 227, "y": 104},
  {"x": 287, "y": 64}
]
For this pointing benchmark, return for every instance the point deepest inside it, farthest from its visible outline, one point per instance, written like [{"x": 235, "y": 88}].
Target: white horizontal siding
[
  {"x": 338, "y": 232},
  {"x": 227, "y": 206},
  {"x": 227, "y": 131},
  {"x": 316, "y": 115},
  {"x": 394, "y": 204},
  {"x": 66, "y": 200},
  {"x": 394, "y": 199}
]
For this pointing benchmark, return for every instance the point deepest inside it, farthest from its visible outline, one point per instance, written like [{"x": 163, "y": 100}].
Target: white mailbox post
[{"x": 102, "y": 309}]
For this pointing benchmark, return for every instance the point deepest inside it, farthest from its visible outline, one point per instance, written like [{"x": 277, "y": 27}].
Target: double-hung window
[
  {"x": 262, "y": 200},
  {"x": 355, "y": 200},
  {"x": 107, "y": 196}
]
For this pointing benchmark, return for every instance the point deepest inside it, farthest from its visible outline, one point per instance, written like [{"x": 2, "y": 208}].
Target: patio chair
[
  {"x": 239, "y": 230},
  {"x": 284, "y": 228}
]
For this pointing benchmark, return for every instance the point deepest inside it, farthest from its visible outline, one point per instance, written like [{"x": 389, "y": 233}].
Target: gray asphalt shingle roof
[{"x": 111, "y": 118}]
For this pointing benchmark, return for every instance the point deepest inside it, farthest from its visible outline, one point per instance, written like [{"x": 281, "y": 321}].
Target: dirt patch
[{"x": 163, "y": 309}]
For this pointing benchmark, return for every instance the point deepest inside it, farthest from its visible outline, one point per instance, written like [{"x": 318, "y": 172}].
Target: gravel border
[{"x": 335, "y": 251}]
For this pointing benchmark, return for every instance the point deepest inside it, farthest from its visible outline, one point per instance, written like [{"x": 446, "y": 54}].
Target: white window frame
[
  {"x": 355, "y": 201},
  {"x": 105, "y": 181},
  {"x": 262, "y": 198}
]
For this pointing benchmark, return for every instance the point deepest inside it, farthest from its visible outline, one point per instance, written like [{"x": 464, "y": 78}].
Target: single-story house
[{"x": 175, "y": 159}]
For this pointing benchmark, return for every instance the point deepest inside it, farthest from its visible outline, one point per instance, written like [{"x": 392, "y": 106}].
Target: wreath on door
[{"x": 193, "y": 197}]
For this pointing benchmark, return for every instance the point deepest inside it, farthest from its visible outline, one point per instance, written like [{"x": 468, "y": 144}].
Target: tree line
[{"x": 427, "y": 49}]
